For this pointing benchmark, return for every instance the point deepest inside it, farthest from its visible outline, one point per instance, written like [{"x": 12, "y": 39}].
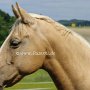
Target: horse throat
[{"x": 55, "y": 70}]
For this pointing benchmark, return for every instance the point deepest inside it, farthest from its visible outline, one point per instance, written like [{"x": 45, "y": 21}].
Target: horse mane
[
  {"x": 64, "y": 30},
  {"x": 57, "y": 25}
]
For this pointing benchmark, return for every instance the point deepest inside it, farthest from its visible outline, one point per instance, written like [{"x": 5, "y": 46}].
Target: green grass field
[{"x": 41, "y": 80}]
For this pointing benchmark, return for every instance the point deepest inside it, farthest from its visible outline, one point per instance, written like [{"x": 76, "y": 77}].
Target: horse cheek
[{"x": 28, "y": 65}]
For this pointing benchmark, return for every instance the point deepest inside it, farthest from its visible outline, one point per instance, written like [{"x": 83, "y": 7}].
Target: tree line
[
  {"x": 6, "y": 22},
  {"x": 77, "y": 23}
]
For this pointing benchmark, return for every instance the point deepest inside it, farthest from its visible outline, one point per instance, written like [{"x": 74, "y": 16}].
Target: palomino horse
[{"x": 69, "y": 67}]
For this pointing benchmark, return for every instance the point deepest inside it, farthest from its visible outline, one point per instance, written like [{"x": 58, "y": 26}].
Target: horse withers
[{"x": 29, "y": 46}]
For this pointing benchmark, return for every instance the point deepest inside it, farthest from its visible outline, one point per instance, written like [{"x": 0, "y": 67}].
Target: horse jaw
[{"x": 57, "y": 74}]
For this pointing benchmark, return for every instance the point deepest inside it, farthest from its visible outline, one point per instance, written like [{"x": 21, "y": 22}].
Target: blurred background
[{"x": 74, "y": 14}]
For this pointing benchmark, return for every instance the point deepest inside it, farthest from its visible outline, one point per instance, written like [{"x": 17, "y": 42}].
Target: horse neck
[
  {"x": 57, "y": 74},
  {"x": 63, "y": 67},
  {"x": 53, "y": 66}
]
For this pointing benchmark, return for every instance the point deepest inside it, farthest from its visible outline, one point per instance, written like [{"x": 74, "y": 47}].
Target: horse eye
[{"x": 15, "y": 43}]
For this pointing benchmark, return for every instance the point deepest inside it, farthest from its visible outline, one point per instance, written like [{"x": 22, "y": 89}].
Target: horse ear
[
  {"x": 25, "y": 17},
  {"x": 16, "y": 13}
]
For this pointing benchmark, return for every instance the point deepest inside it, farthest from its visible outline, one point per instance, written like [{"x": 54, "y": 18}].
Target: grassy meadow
[{"x": 41, "y": 80}]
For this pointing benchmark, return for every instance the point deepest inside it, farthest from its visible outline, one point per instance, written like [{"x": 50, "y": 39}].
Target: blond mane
[
  {"x": 62, "y": 29},
  {"x": 58, "y": 26},
  {"x": 66, "y": 32}
]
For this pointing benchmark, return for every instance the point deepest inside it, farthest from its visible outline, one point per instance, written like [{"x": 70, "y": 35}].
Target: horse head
[{"x": 24, "y": 50}]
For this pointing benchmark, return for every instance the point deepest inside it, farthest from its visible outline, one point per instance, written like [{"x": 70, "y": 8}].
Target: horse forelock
[{"x": 19, "y": 29}]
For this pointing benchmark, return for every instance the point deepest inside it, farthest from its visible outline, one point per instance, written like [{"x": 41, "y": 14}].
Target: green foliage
[{"x": 6, "y": 22}]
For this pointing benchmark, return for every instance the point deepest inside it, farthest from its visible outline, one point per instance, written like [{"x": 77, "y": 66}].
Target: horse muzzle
[
  {"x": 9, "y": 75},
  {"x": 12, "y": 81}
]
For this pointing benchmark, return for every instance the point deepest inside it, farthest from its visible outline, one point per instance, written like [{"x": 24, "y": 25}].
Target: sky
[{"x": 56, "y": 9}]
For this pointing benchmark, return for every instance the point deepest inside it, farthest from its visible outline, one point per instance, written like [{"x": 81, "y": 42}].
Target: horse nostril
[{"x": 9, "y": 62}]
